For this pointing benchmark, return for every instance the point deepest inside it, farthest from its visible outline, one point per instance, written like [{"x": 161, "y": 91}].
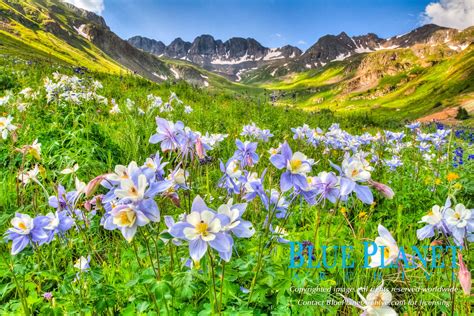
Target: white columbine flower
[
  {"x": 204, "y": 224},
  {"x": 22, "y": 224},
  {"x": 459, "y": 217},
  {"x": 299, "y": 164},
  {"x": 128, "y": 189},
  {"x": 390, "y": 250},
  {"x": 6, "y": 126},
  {"x": 187, "y": 109},
  {"x": 30, "y": 175},
  {"x": 376, "y": 303}
]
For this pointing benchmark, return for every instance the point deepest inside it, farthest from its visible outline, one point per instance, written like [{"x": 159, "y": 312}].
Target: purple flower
[
  {"x": 63, "y": 200},
  {"x": 435, "y": 222},
  {"x": 326, "y": 184},
  {"x": 27, "y": 230},
  {"x": 59, "y": 223},
  {"x": 355, "y": 170},
  {"x": 83, "y": 263},
  {"x": 127, "y": 218},
  {"x": 297, "y": 166},
  {"x": 413, "y": 126},
  {"x": 230, "y": 179},
  {"x": 168, "y": 134},
  {"x": 236, "y": 224},
  {"x": 393, "y": 163},
  {"x": 154, "y": 167},
  {"x": 279, "y": 202},
  {"x": 48, "y": 296},
  {"x": 203, "y": 227},
  {"x": 245, "y": 153}
]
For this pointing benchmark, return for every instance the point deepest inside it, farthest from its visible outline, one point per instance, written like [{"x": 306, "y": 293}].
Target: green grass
[{"x": 117, "y": 283}]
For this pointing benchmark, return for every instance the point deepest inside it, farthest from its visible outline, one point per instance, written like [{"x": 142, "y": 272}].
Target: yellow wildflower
[{"x": 452, "y": 176}]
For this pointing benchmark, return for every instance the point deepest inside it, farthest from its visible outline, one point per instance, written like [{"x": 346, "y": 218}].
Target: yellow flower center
[
  {"x": 126, "y": 218},
  {"x": 201, "y": 228},
  {"x": 430, "y": 213},
  {"x": 378, "y": 301},
  {"x": 2, "y": 124},
  {"x": 386, "y": 253},
  {"x": 457, "y": 216},
  {"x": 133, "y": 191},
  {"x": 355, "y": 172},
  {"x": 22, "y": 226},
  {"x": 295, "y": 164}
]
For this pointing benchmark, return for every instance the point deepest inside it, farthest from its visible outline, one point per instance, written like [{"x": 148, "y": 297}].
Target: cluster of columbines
[{"x": 130, "y": 193}]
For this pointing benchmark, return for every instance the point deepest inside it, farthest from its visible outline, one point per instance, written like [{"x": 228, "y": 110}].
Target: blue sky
[{"x": 272, "y": 22}]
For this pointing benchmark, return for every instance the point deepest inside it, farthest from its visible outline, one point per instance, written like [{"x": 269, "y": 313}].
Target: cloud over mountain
[
  {"x": 96, "y": 6},
  {"x": 451, "y": 13}
]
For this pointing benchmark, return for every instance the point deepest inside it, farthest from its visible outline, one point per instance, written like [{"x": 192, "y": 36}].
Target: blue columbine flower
[
  {"x": 27, "y": 230},
  {"x": 59, "y": 223},
  {"x": 168, "y": 134},
  {"x": 203, "y": 227},
  {"x": 297, "y": 166},
  {"x": 246, "y": 153}
]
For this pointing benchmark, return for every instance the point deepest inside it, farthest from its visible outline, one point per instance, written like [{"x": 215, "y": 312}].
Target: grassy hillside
[
  {"x": 401, "y": 83},
  {"x": 30, "y": 36}
]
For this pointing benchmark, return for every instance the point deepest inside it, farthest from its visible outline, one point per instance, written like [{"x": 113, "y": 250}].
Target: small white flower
[{"x": 73, "y": 169}]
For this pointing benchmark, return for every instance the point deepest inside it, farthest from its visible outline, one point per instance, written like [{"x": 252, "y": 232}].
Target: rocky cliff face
[
  {"x": 228, "y": 58},
  {"x": 148, "y": 45}
]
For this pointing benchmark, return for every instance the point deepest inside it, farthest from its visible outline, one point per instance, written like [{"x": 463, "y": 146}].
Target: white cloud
[
  {"x": 277, "y": 34},
  {"x": 301, "y": 42},
  {"x": 450, "y": 13},
  {"x": 96, "y": 6}
]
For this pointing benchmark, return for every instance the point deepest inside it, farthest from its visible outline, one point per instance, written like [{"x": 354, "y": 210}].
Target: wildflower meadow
[{"x": 122, "y": 196}]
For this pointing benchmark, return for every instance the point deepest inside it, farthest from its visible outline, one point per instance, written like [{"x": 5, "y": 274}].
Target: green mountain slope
[
  {"x": 61, "y": 33},
  {"x": 402, "y": 83}
]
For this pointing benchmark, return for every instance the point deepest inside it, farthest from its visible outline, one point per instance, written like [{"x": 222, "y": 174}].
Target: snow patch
[
  {"x": 341, "y": 57},
  {"x": 459, "y": 47},
  {"x": 389, "y": 47},
  {"x": 162, "y": 77},
  {"x": 273, "y": 54},
  {"x": 175, "y": 73},
  {"x": 242, "y": 59},
  {"x": 204, "y": 77},
  {"x": 360, "y": 50},
  {"x": 80, "y": 31},
  {"x": 308, "y": 66}
]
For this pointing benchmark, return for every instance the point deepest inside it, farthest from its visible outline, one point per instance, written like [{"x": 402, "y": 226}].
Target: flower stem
[
  {"x": 211, "y": 264},
  {"x": 222, "y": 287}
]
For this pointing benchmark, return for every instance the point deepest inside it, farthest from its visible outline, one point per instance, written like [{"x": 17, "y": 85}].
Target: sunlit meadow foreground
[{"x": 115, "y": 201}]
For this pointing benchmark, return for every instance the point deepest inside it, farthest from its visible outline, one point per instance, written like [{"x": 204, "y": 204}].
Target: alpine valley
[{"x": 341, "y": 73}]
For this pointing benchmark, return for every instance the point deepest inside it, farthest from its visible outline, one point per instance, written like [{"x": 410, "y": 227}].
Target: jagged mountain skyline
[{"x": 270, "y": 23}]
